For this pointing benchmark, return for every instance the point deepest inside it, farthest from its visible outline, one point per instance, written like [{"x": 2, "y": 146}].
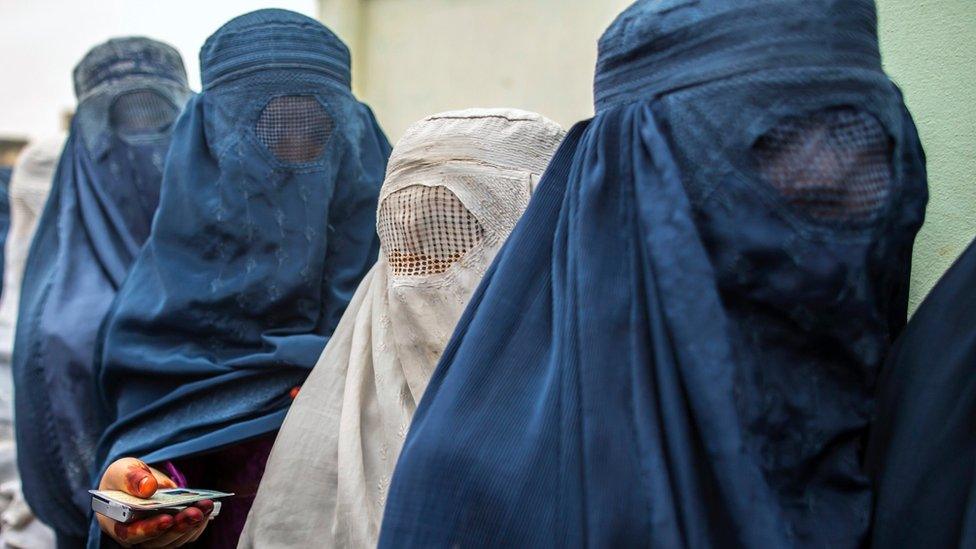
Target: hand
[{"x": 135, "y": 478}]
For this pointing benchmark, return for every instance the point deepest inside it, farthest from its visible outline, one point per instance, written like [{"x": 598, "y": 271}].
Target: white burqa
[
  {"x": 29, "y": 187},
  {"x": 455, "y": 186}
]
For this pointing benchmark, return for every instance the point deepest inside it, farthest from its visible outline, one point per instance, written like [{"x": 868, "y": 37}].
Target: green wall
[{"x": 929, "y": 49}]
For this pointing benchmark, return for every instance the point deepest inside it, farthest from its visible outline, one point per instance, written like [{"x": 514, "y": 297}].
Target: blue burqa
[
  {"x": 922, "y": 450},
  {"x": 678, "y": 345},
  {"x": 266, "y": 225},
  {"x": 98, "y": 215}
]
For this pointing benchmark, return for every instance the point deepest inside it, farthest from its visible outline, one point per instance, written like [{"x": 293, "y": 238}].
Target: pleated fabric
[
  {"x": 679, "y": 342},
  {"x": 97, "y": 217},
  {"x": 922, "y": 446},
  {"x": 456, "y": 184},
  {"x": 264, "y": 231}
]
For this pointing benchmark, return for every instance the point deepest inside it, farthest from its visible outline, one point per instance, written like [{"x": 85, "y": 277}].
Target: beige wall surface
[
  {"x": 417, "y": 57},
  {"x": 413, "y": 58}
]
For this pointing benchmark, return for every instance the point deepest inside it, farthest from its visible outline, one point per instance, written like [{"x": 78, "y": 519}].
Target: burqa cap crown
[
  {"x": 273, "y": 38},
  {"x": 658, "y": 46},
  {"x": 121, "y": 58},
  {"x": 518, "y": 140}
]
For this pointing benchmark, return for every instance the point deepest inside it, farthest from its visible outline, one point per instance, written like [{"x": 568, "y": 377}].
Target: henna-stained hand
[
  {"x": 135, "y": 478},
  {"x": 187, "y": 528}
]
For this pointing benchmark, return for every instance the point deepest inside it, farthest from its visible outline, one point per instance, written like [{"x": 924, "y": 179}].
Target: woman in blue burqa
[
  {"x": 679, "y": 343},
  {"x": 265, "y": 228},
  {"x": 99, "y": 212}
]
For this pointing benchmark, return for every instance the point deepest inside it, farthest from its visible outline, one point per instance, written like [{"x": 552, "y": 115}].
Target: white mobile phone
[{"x": 123, "y": 507}]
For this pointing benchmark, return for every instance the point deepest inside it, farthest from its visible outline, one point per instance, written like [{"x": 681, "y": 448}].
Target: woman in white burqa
[{"x": 455, "y": 186}]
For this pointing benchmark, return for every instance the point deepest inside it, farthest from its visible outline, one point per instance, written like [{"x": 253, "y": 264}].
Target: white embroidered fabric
[{"x": 456, "y": 185}]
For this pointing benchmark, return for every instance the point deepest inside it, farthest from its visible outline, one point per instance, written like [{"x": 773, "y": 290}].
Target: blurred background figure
[
  {"x": 28, "y": 191},
  {"x": 97, "y": 216},
  {"x": 9, "y": 152}
]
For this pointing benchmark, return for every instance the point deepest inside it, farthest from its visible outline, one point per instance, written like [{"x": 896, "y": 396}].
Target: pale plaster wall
[
  {"x": 929, "y": 49},
  {"x": 416, "y": 57},
  {"x": 412, "y": 58}
]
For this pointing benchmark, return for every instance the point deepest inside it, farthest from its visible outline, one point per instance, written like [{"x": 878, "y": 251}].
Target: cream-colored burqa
[
  {"x": 30, "y": 184},
  {"x": 455, "y": 186}
]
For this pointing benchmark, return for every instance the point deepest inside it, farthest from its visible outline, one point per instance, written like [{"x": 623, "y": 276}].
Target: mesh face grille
[
  {"x": 424, "y": 230},
  {"x": 141, "y": 112},
  {"x": 295, "y": 128},
  {"x": 835, "y": 165}
]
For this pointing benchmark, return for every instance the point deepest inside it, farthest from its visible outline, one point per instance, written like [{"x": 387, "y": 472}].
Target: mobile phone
[{"x": 123, "y": 507}]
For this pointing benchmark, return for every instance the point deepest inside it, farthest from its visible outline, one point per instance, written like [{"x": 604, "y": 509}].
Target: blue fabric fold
[
  {"x": 678, "y": 344},
  {"x": 96, "y": 218},
  {"x": 922, "y": 446},
  {"x": 5, "y": 172},
  {"x": 266, "y": 225}
]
